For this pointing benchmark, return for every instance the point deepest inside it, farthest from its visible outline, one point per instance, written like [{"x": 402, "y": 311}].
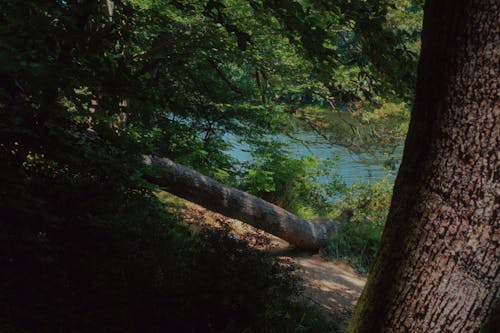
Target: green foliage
[
  {"x": 366, "y": 43},
  {"x": 289, "y": 182},
  {"x": 370, "y": 201},
  {"x": 356, "y": 243},
  {"x": 195, "y": 70},
  {"x": 358, "y": 240}
]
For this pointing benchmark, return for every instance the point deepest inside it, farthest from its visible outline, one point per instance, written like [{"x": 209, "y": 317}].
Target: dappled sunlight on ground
[
  {"x": 334, "y": 286},
  {"x": 329, "y": 285}
]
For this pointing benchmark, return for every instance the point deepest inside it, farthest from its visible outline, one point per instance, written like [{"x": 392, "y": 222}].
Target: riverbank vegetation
[
  {"x": 88, "y": 87},
  {"x": 293, "y": 184}
]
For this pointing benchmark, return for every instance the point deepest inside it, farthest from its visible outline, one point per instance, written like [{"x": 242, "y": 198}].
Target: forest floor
[{"x": 332, "y": 285}]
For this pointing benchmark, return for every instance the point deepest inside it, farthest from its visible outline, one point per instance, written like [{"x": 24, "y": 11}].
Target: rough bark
[
  {"x": 231, "y": 202},
  {"x": 438, "y": 267}
]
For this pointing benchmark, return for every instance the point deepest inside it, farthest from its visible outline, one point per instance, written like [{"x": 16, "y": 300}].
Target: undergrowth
[
  {"x": 357, "y": 240},
  {"x": 82, "y": 252}
]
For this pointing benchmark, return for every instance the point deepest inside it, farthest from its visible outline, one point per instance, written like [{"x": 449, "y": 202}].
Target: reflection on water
[{"x": 349, "y": 166}]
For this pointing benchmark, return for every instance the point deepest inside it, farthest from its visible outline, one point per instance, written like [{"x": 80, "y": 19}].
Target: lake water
[{"x": 351, "y": 167}]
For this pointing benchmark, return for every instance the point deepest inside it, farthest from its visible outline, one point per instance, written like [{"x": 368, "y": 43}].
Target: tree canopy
[{"x": 171, "y": 76}]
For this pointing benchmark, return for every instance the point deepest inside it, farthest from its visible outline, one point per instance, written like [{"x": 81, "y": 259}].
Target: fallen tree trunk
[{"x": 195, "y": 187}]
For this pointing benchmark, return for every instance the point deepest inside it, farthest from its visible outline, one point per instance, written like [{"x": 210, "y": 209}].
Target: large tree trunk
[
  {"x": 438, "y": 267},
  {"x": 195, "y": 187}
]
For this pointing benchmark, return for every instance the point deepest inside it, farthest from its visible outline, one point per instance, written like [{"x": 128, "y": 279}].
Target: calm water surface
[{"x": 349, "y": 166}]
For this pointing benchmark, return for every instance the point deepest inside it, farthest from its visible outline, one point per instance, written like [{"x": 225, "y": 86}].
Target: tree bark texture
[
  {"x": 438, "y": 266},
  {"x": 193, "y": 186}
]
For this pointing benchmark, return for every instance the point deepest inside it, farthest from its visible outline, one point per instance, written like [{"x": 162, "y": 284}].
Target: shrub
[
  {"x": 289, "y": 182},
  {"x": 358, "y": 240},
  {"x": 96, "y": 252}
]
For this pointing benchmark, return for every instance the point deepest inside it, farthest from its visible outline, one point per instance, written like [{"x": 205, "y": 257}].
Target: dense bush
[
  {"x": 291, "y": 183},
  {"x": 358, "y": 240},
  {"x": 88, "y": 252}
]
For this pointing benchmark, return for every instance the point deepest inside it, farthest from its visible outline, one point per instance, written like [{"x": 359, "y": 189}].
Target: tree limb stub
[{"x": 193, "y": 186}]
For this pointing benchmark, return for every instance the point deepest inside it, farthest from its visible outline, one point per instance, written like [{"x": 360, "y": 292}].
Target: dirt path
[{"x": 333, "y": 286}]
